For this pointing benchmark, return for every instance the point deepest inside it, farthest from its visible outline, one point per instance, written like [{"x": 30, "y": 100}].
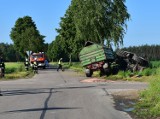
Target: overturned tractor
[{"x": 131, "y": 61}]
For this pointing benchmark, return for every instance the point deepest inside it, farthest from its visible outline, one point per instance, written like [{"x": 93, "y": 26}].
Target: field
[{"x": 15, "y": 70}]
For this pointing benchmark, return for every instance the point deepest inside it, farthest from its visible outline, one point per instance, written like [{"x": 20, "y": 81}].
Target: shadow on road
[
  {"x": 40, "y": 90},
  {"x": 44, "y": 109},
  {"x": 41, "y": 109},
  {"x": 27, "y": 92}
]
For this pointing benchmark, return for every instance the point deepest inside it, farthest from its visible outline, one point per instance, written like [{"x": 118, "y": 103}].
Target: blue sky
[{"x": 143, "y": 28}]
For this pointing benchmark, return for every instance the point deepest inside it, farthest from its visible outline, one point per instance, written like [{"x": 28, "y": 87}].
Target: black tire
[
  {"x": 44, "y": 67},
  {"x": 89, "y": 72},
  {"x": 107, "y": 71}
]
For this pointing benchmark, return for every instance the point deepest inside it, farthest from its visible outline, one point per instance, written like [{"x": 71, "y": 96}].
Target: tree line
[
  {"x": 9, "y": 53},
  {"x": 150, "y": 52}
]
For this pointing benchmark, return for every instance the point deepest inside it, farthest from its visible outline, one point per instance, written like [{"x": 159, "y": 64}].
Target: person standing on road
[
  {"x": 60, "y": 64},
  {"x": 35, "y": 66},
  {"x": 26, "y": 64},
  {"x": 2, "y": 65}
]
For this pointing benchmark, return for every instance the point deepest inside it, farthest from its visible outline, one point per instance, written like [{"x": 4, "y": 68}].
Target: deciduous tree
[{"x": 25, "y": 36}]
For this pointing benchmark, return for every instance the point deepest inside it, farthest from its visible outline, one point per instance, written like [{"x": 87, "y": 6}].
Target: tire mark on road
[
  {"x": 105, "y": 91},
  {"x": 46, "y": 104}
]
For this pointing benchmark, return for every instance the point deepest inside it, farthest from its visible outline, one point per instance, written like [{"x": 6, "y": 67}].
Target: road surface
[{"x": 61, "y": 95}]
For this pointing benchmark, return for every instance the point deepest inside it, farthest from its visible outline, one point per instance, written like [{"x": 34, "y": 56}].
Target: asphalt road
[{"x": 61, "y": 95}]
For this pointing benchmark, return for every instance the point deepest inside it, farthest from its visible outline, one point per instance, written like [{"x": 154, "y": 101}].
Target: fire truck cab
[{"x": 41, "y": 59}]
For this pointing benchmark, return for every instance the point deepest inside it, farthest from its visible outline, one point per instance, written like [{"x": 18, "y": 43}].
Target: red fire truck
[{"x": 41, "y": 59}]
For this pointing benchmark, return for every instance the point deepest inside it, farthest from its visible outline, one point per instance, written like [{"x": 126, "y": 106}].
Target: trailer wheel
[{"x": 88, "y": 72}]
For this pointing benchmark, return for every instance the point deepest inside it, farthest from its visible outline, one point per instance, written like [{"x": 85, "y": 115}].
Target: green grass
[
  {"x": 155, "y": 64},
  {"x": 13, "y": 67},
  {"x": 15, "y": 70},
  {"x": 148, "y": 106},
  {"x": 76, "y": 66},
  {"x": 144, "y": 75}
]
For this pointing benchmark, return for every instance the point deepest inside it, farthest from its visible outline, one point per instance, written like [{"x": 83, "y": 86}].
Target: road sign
[{"x": 28, "y": 52}]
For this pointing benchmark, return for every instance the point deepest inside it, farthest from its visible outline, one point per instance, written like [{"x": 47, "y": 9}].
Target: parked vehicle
[
  {"x": 95, "y": 57},
  {"x": 41, "y": 59}
]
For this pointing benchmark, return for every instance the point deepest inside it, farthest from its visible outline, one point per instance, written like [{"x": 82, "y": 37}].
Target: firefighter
[
  {"x": 35, "y": 65},
  {"x": 60, "y": 65},
  {"x": 2, "y": 66},
  {"x": 26, "y": 63}
]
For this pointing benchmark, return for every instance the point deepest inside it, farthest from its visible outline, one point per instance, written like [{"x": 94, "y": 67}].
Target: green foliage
[
  {"x": 25, "y": 36},
  {"x": 56, "y": 50},
  {"x": 97, "y": 20},
  {"x": 9, "y": 53},
  {"x": 93, "y": 20}
]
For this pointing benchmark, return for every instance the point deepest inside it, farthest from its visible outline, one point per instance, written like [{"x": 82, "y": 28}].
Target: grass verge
[
  {"x": 148, "y": 107},
  {"x": 15, "y": 71}
]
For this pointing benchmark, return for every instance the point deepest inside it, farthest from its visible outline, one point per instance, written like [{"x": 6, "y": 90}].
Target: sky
[{"x": 143, "y": 27}]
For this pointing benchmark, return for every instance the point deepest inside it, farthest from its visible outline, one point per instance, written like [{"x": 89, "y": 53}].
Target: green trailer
[{"x": 96, "y": 57}]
